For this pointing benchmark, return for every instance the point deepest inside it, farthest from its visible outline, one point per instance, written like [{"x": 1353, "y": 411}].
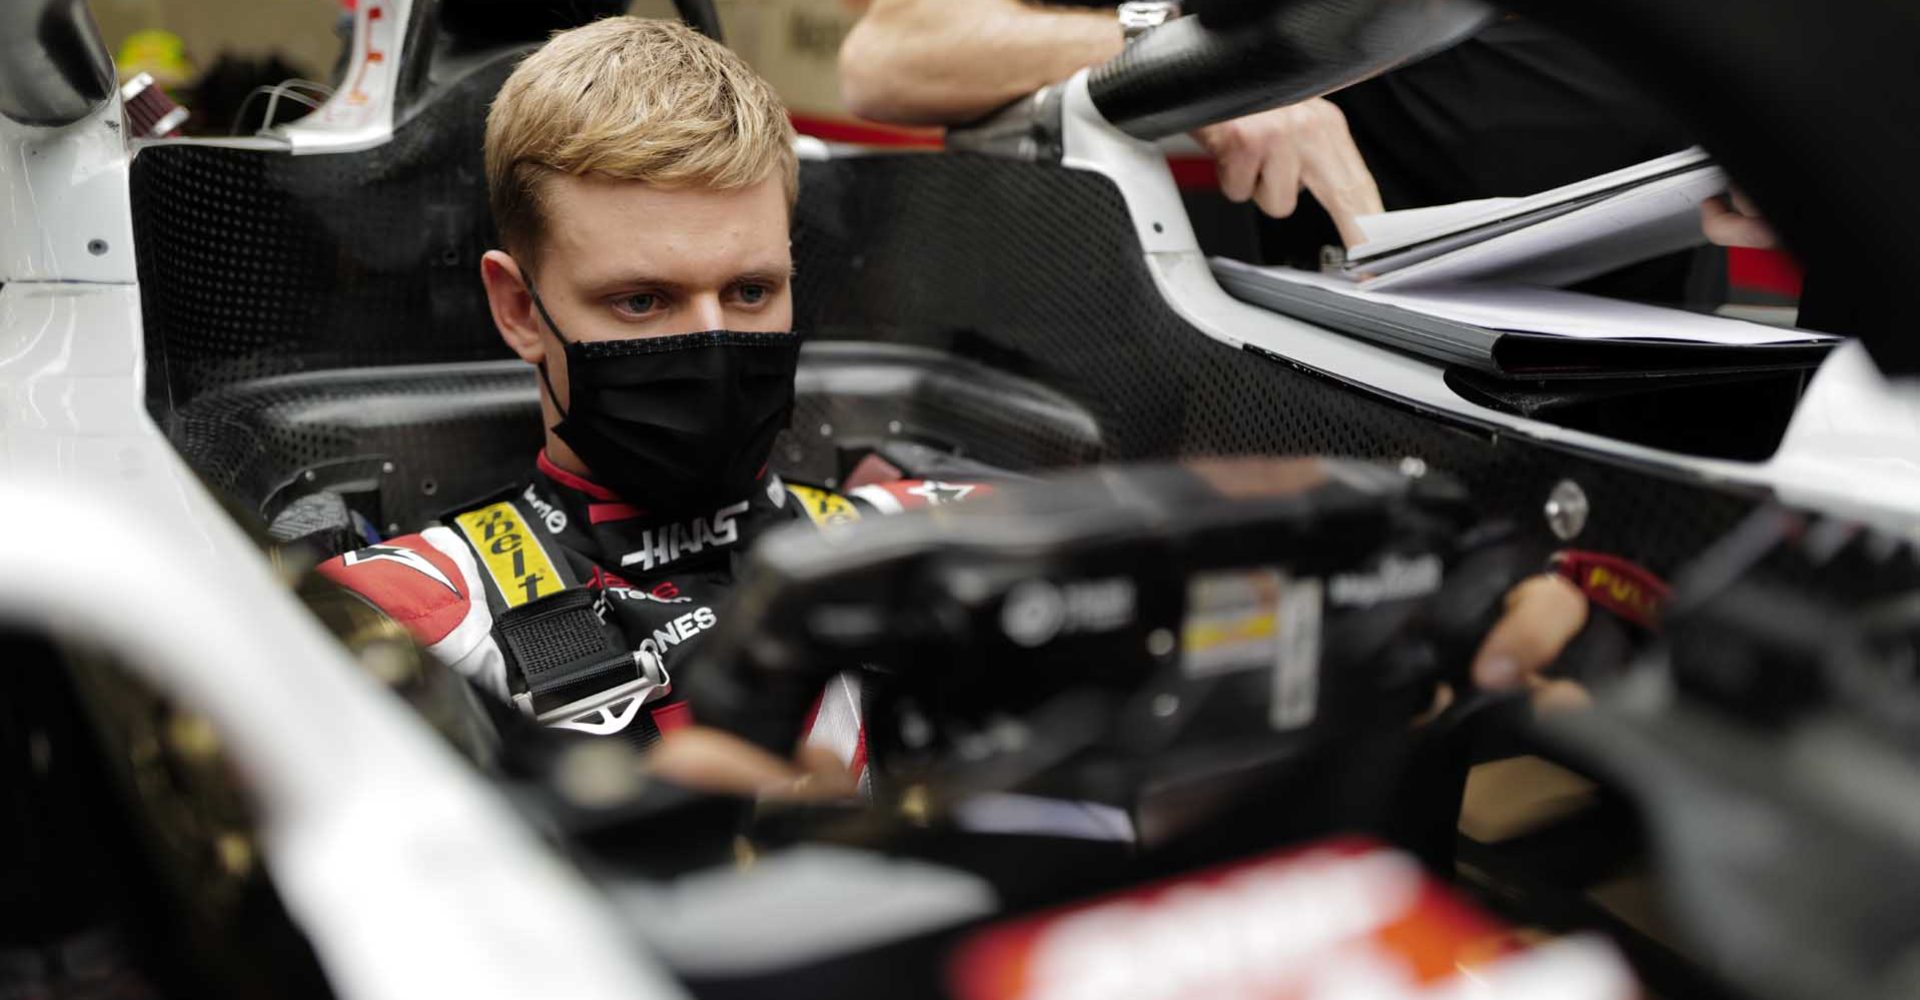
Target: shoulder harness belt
[{"x": 575, "y": 670}]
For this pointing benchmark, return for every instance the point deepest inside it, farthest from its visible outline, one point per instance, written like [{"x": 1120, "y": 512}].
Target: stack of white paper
[
  {"x": 1553, "y": 238},
  {"x": 1459, "y": 282}
]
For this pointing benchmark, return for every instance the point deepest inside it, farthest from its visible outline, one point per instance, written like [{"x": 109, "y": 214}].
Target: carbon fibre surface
[
  {"x": 255, "y": 263},
  {"x": 1036, "y": 270}
]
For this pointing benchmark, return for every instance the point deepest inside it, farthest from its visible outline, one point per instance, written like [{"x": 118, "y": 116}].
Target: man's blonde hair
[{"x": 632, "y": 99}]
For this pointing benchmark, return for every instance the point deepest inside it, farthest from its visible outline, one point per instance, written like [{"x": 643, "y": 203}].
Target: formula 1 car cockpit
[{"x": 1182, "y": 708}]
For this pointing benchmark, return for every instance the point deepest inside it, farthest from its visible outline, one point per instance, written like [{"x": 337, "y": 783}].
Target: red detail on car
[
  {"x": 1194, "y": 173},
  {"x": 1279, "y": 926},
  {"x": 861, "y": 133},
  {"x": 1771, "y": 271},
  {"x": 1625, "y": 588}
]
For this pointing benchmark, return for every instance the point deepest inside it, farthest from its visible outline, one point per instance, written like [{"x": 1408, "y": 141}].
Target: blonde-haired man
[{"x": 642, "y": 180}]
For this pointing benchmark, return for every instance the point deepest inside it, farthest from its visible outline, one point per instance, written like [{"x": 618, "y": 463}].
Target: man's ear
[{"x": 512, "y": 306}]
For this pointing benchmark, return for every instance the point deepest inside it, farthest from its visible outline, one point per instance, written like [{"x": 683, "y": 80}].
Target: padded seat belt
[{"x": 576, "y": 670}]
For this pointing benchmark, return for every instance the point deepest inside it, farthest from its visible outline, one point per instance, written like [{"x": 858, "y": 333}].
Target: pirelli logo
[
  {"x": 512, "y": 555},
  {"x": 824, "y": 508}
]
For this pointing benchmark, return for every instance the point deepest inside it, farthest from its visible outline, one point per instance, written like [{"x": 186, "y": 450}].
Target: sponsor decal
[
  {"x": 669, "y": 543},
  {"x": 937, "y": 493},
  {"x": 1627, "y": 589},
  {"x": 1037, "y": 611},
  {"x": 665, "y": 592},
  {"x": 511, "y": 553},
  {"x": 1257, "y": 619},
  {"x": 1344, "y": 919},
  {"x": 635, "y": 594},
  {"x": 553, "y": 517},
  {"x": 909, "y": 494},
  {"x": 601, "y": 579},
  {"x": 404, "y": 557},
  {"x": 824, "y": 508},
  {"x": 1395, "y": 579},
  {"x": 677, "y": 631}
]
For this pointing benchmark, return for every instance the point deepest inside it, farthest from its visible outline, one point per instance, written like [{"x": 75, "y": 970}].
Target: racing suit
[{"x": 577, "y": 607}]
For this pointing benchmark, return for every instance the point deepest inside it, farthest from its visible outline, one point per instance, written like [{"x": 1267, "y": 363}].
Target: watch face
[{"x": 1137, "y": 17}]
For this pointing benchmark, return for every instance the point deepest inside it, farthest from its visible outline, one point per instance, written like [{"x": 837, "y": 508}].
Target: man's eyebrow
[
  {"x": 768, "y": 271},
  {"x": 631, "y": 279}
]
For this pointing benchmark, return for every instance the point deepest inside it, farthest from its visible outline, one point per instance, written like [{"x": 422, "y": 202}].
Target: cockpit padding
[{"x": 406, "y": 442}]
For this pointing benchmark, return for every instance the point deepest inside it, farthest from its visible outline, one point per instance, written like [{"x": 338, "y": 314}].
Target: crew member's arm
[
  {"x": 938, "y": 62},
  {"x": 942, "y": 62}
]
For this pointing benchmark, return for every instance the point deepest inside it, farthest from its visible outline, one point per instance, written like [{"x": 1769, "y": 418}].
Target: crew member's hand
[
  {"x": 711, "y": 760},
  {"x": 1270, "y": 156},
  {"x": 1543, "y": 615},
  {"x": 1731, "y": 220}
]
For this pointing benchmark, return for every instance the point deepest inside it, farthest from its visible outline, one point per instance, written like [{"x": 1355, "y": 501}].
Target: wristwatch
[{"x": 1140, "y": 16}]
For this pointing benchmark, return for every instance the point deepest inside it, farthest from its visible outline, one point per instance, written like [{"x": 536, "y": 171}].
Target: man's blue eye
[
  {"x": 642, "y": 303},
  {"x": 753, "y": 294}
]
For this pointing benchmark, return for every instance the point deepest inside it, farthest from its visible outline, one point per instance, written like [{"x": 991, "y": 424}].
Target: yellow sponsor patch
[
  {"x": 825, "y": 508},
  {"x": 512, "y": 555},
  {"x": 1206, "y": 635}
]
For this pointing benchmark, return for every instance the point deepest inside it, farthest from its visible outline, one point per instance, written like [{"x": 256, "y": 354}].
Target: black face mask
[{"x": 676, "y": 424}]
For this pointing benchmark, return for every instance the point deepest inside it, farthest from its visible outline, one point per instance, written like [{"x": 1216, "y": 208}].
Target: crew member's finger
[
  {"x": 1279, "y": 189},
  {"x": 1543, "y": 614},
  {"x": 1235, "y": 162},
  {"x": 1727, "y": 226},
  {"x": 823, "y": 776},
  {"x": 1346, "y": 204},
  {"x": 1336, "y": 173},
  {"x": 1557, "y": 695}
]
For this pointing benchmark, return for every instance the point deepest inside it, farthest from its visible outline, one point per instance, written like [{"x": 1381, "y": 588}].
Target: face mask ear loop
[{"x": 551, "y": 325}]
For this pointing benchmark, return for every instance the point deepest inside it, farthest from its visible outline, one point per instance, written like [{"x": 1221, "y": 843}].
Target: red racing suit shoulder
[{"x": 430, "y": 584}]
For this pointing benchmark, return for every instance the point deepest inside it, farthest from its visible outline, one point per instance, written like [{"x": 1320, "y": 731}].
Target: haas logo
[{"x": 666, "y": 544}]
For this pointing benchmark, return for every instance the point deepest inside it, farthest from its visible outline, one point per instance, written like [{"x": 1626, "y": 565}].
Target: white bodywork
[
  {"x": 360, "y": 114},
  {"x": 63, "y": 201}
]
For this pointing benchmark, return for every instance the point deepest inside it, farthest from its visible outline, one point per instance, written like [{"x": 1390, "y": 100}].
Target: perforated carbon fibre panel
[
  {"x": 256, "y": 263},
  {"x": 1036, "y": 270}
]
